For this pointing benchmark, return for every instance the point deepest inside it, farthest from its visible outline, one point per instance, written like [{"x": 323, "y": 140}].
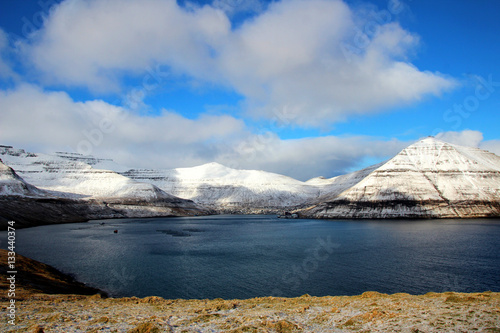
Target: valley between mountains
[{"x": 428, "y": 179}]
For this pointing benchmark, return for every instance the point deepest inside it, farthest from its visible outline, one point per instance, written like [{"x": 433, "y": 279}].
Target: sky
[{"x": 303, "y": 88}]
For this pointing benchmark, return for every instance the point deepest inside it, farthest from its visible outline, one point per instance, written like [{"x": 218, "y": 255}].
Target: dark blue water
[{"x": 251, "y": 256}]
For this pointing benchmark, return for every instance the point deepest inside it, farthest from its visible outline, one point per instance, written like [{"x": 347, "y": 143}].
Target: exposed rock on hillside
[
  {"x": 429, "y": 179},
  {"x": 75, "y": 192}
]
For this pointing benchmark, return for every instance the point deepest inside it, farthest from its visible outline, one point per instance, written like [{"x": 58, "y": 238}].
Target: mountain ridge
[
  {"x": 73, "y": 191},
  {"x": 428, "y": 179}
]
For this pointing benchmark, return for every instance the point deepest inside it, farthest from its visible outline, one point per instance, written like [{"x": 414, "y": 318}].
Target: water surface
[{"x": 252, "y": 256}]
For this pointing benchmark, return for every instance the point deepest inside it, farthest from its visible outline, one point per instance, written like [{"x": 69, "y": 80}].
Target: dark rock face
[
  {"x": 28, "y": 212},
  {"x": 339, "y": 209}
]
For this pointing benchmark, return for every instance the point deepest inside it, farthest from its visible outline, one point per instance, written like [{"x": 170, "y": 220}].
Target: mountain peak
[
  {"x": 12, "y": 184},
  {"x": 434, "y": 154},
  {"x": 429, "y": 141},
  {"x": 430, "y": 178},
  {"x": 430, "y": 138},
  {"x": 215, "y": 165}
]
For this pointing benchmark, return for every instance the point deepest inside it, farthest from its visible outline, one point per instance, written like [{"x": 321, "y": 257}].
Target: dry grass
[
  {"x": 42, "y": 312},
  {"x": 369, "y": 312}
]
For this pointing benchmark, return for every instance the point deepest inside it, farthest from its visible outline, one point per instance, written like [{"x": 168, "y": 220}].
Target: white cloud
[
  {"x": 91, "y": 43},
  {"x": 292, "y": 55},
  {"x": 470, "y": 138},
  {"x": 6, "y": 71},
  {"x": 467, "y": 138},
  {"x": 492, "y": 146},
  {"x": 43, "y": 121},
  {"x": 52, "y": 121},
  {"x": 306, "y": 158}
]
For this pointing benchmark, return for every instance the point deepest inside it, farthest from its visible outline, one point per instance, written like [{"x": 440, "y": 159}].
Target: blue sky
[{"x": 302, "y": 88}]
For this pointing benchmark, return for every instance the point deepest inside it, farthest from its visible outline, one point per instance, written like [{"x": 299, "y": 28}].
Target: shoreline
[
  {"x": 355, "y": 219},
  {"x": 41, "y": 307}
]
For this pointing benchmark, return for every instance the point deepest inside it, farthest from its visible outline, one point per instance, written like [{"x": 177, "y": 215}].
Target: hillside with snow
[
  {"x": 230, "y": 190},
  {"x": 211, "y": 185},
  {"x": 65, "y": 188},
  {"x": 28, "y": 205},
  {"x": 429, "y": 179},
  {"x": 73, "y": 175},
  {"x": 13, "y": 185}
]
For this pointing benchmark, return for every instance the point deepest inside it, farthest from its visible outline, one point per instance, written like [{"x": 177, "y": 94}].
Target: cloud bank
[
  {"x": 470, "y": 138},
  {"x": 317, "y": 59},
  {"x": 43, "y": 121},
  {"x": 295, "y": 63}
]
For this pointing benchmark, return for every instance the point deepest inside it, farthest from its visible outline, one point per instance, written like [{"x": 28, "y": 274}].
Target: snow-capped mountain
[
  {"x": 13, "y": 185},
  {"x": 246, "y": 191},
  {"x": 430, "y": 178},
  {"x": 66, "y": 184},
  {"x": 231, "y": 190},
  {"x": 73, "y": 175},
  {"x": 211, "y": 185}
]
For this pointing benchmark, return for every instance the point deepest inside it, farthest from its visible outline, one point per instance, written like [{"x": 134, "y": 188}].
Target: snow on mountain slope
[
  {"x": 430, "y": 178},
  {"x": 212, "y": 184},
  {"x": 334, "y": 186},
  {"x": 28, "y": 206},
  {"x": 70, "y": 190},
  {"x": 70, "y": 174},
  {"x": 12, "y": 184},
  {"x": 251, "y": 191},
  {"x": 215, "y": 184}
]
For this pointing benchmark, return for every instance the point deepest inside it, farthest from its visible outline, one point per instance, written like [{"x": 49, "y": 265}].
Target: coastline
[{"x": 41, "y": 307}]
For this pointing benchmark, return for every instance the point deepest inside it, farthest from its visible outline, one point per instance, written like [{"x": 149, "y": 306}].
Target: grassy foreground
[{"x": 40, "y": 307}]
